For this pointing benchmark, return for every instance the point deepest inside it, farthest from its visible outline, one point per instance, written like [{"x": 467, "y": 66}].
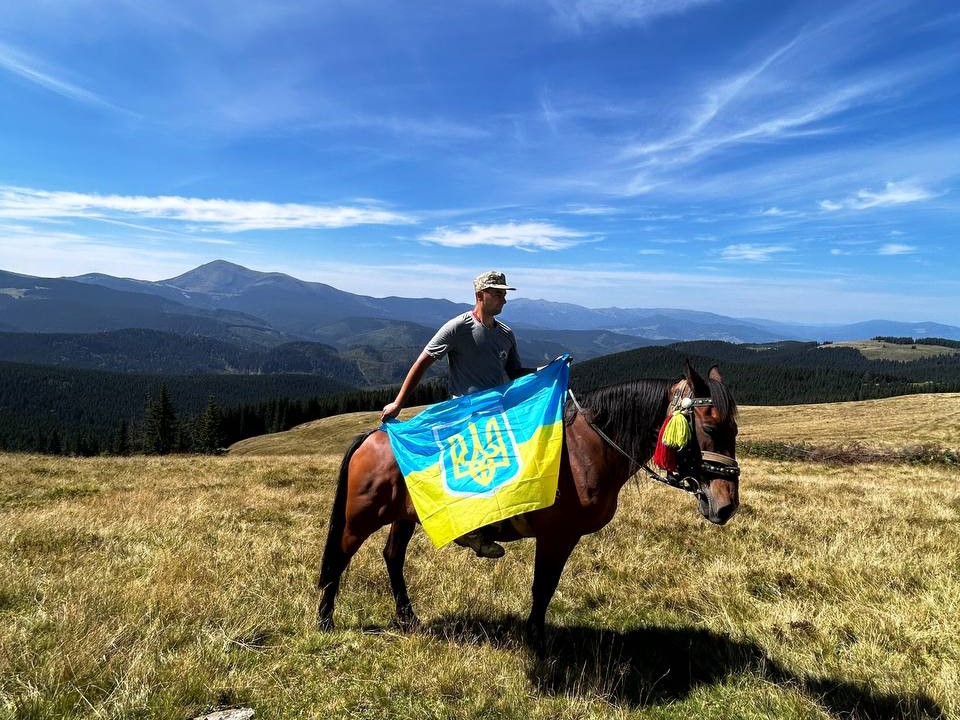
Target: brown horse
[{"x": 608, "y": 436}]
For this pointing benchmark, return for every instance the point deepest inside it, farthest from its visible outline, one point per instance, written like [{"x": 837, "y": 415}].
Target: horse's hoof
[
  {"x": 325, "y": 622},
  {"x": 536, "y": 639},
  {"x": 408, "y": 622}
]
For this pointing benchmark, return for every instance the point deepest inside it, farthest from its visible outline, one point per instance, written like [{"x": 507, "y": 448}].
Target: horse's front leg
[
  {"x": 552, "y": 555},
  {"x": 394, "y": 554}
]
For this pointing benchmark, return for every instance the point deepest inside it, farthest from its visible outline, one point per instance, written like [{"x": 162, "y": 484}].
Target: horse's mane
[{"x": 631, "y": 413}]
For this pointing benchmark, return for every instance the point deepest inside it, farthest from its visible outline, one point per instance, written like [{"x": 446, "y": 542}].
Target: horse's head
[{"x": 708, "y": 462}]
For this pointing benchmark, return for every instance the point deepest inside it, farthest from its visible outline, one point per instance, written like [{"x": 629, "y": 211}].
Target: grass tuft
[{"x": 854, "y": 453}]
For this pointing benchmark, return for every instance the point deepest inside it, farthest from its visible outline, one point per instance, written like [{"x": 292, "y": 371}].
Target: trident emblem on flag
[{"x": 480, "y": 459}]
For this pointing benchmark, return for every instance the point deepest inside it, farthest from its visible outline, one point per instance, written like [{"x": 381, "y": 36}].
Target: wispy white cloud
[
  {"x": 805, "y": 179},
  {"x": 589, "y": 210},
  {"x": 897, "y": 249},
  {"x": 762, "y": 116},
  {"x": 406, "y": 126},
  {"x": 524, "y": 236},
  {"x": 752, "y": 253},
  {"x": 894, "y": 193},
  {"x": 676, "y": 241},
  {"x": 620, "y": 12},
  {"x": 776, "y": 212},
  {"x": 153, "y": 230},
  {"x": 711, "y": 104},
  {"x": 33, "y": 70},
  {"x": 222, "y": 215},
  {"x": 547, "y": 111},
  {"x": 809, "y": 87}
]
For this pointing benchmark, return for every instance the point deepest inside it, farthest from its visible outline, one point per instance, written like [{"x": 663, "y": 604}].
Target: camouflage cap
[{"x": 491, "y": 280}]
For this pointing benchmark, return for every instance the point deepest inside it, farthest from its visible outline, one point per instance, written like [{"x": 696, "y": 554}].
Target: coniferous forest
[{"x": 86, "y": 412}]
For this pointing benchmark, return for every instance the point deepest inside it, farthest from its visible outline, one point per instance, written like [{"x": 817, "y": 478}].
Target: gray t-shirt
[{"x": 480, "y": 357}]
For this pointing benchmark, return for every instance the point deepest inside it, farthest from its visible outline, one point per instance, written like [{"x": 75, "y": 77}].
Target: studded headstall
[{"x": 714, "y": 465}]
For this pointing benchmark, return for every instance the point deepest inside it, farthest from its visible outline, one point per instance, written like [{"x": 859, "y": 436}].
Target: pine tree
[
  {"x": 121, "y": 441},
  {"x": 209, "y": 434},
  {"x": 54, "y": 443},
  {"x": 160, "y": 428}
]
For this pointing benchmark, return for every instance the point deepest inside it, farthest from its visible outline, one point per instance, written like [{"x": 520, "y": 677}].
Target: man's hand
[
  {"x": 569, "y": 361},
  {"x": 416, "y": 371},
  {"x": 390, "y": 411}
]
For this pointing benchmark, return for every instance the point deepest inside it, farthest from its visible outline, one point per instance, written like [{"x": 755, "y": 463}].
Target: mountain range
[{"x": 222, "y": 317}]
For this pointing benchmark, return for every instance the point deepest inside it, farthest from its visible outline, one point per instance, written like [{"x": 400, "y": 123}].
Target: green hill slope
[{"x": 891, "y": 422}]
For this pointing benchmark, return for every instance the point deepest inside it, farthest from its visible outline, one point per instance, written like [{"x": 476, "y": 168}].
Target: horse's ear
[
  {"x": 696, "y": 383},
  {"x": 715, "y": 375}
]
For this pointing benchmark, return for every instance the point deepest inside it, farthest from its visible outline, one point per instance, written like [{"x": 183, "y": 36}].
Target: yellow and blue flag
[{"x": 484, "y": 457}]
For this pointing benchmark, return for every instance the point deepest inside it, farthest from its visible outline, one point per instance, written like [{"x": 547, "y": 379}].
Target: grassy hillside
[
  {"x": 890, "y": 422},
  {"x": 169, "y": 587},
  {"x": 875, "y": 350},
  {"x": 320, "y": 437}
]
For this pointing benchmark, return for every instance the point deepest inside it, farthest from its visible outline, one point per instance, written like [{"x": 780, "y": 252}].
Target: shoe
[{"x": 480, "y": 545}]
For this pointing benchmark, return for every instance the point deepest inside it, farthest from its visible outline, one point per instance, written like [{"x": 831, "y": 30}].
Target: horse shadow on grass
[{"x": 649, "y": 666}]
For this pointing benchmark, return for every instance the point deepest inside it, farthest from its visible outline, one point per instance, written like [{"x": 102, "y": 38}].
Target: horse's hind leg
[
  {"x": 367, "y": 498},
  {"x": 394, "y": 554},
  {"x": 336, "y": 558}
]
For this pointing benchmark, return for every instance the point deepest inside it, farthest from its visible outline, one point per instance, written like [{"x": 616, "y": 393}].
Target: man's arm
[
  {"x": 520, "y": 372},
  {"x": 513, "y": 368},
  {"x": 414, "y": 375}
]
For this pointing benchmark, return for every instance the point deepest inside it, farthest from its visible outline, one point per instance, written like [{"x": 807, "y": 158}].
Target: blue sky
[{"x": 789, "y": 160}]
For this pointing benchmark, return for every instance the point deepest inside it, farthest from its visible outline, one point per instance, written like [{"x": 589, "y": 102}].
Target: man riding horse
[
  {"x": 482, "y": 352},
  {"x": 607, "y": 436}
]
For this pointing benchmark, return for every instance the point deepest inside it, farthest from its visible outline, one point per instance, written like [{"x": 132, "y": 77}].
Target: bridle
[{"x": 714, "y": 465}]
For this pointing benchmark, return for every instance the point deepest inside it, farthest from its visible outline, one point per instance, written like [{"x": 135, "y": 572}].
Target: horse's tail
[{"x": 338, "y": 515}]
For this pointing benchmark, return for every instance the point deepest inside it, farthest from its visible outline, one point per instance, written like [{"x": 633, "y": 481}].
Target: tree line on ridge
[{"x": 85, "y": 412}]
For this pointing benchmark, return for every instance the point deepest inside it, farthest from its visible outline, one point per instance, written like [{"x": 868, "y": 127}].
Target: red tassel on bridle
[{"x": 665, "y": 457}]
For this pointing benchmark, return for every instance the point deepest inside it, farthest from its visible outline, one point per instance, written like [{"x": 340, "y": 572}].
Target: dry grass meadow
[
  {"x": 169, "y": 587},
  {"x": 877, "y": 350}
]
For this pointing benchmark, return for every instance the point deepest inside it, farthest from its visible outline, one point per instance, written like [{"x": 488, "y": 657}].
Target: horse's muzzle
[{"x": 718, "y": 501}]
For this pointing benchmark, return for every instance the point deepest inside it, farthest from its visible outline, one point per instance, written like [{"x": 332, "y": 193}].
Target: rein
[{"x": 714, "y": 463}]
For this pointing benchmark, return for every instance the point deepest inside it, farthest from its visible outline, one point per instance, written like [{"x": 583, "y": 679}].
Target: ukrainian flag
[{"x": 484, "y": 457}]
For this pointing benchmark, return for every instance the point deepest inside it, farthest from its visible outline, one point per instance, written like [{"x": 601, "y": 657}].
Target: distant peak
[
  {"x": 222, "y": 264},
  {"x": 218, "y": 276}
]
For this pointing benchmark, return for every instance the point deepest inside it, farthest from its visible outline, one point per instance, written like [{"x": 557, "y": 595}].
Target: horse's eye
[{"x": 709, "y": 429}]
